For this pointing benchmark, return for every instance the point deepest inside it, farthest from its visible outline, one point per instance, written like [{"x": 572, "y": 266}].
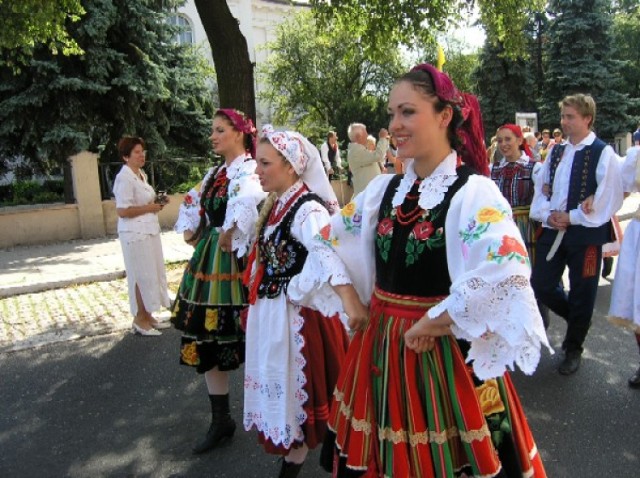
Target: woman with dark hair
[
  {"x": 294, "y": 353},
  {"x": 218, "y": 219},
  {"x": 436, "y": 256},
  {"x": 139, "y": 233}
]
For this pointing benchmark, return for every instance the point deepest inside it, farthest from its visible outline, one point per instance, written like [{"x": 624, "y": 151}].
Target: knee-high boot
[{"x": 222, "y": 425}]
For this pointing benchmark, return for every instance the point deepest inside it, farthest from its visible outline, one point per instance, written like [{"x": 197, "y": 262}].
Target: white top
[
  {"x": 324, "y": 154},
  {"x": 274, "y": 395},
  {"x": 491, "y": 301},
  {"x": 628, "y": 170},
  {"x": 245, "y": 193},
  {"x": 131, "y": 190},
  {"x": 608, "y": 197}
]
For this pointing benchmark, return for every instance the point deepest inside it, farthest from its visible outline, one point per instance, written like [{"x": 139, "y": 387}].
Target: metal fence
[{"x": 171, "y": 175}]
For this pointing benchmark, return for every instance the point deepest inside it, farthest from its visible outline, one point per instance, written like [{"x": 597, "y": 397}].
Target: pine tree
[
  {"x": 578, "y": 59},
  {"x": 131, "y": 79},
  {"x": 505, "y": 86}
]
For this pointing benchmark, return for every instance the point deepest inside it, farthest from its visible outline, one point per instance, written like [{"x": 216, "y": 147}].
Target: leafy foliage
[
  {"x": 321, "y": 79},
  {"x": 626, "y": 49},
  {"x": 131, "y": 79},
  {"x": 27, "y": 24},
  {"x": 579, "y": 60}
]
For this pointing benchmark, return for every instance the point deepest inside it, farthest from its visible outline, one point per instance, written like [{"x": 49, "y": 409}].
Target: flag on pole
[{"x": 441, "y": 60}]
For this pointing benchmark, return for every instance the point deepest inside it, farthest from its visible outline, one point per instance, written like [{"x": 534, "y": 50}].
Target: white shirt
[
  {"x": 131, "y": 190},
  {"x": 324, "y": 154},
  {"x": 608, "y": 196}
]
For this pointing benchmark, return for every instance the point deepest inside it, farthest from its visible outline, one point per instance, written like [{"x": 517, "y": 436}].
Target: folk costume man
[{"x": 579, "y": 190}]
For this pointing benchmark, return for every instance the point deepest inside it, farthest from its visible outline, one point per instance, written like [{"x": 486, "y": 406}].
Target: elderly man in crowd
[{"x": 365, "y": 164}]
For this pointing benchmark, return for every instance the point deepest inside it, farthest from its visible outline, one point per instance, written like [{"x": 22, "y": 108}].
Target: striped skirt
[
  {"x": 528, "y": 229},
  {"x": 208, "y": 306},
  {"x": 397, "y": 413}
]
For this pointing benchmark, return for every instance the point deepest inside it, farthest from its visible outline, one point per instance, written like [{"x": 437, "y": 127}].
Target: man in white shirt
[
  {"x": 330, "y": 154},
  {"x": 365, "y": 164},
  {"x": 574, "y": 230}
]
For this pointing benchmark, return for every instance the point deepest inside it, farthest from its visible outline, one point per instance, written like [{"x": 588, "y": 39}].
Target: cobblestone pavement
[{"x": 70, "y": 313}]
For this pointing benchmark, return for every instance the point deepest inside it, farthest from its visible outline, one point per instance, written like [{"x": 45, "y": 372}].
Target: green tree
[
  {"x": 131, "y": 79},
  {"x": 578, "y": 59},
  {"x": 504, "y": 86},
  {"x": 626, "y": 48},
  {"x": 28, "y": 24},
  {"x": 317, "y": 80},
  {"x": 380, "y": 23}
]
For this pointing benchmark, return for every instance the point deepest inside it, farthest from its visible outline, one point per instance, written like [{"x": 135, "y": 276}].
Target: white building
[{"x": 258, "y": 20}]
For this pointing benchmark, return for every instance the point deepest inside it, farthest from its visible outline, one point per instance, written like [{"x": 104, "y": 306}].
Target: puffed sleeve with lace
[{"x": 189, "y": 212}]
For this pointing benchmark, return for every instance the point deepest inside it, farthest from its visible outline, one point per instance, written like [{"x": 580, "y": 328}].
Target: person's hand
[
  {"x": 546, "y": 189},
  {"x": 357, "y": 313},
  {"x": 421, "y": 337},
  {"x": 559, "y": 220},
  {"x": 189, "y": 238},
  {"x": 224, "y": 240},
  {"x": 154, "y": 208},
  {"x": 587, "y": 205},
  {"x": 383, "y": 134},
  {"x": 330, "y": 171}
]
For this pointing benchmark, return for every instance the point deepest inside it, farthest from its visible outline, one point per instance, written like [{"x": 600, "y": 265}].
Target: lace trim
[
  {"x": 244, "y": 214},
  {"x": 501, "y": 321},
  {"x": 292, "y": 432},
  {"x": 432, "y": 189}
]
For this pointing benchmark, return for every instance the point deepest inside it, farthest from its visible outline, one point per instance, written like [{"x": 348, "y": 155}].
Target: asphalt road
[{"x": 121, "y": 406}]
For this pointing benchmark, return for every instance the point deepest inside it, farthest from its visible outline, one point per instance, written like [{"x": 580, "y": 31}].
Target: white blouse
[
  {"x": 245, "y": 193},
  {"x": 131, "y": 190},
  {"x": 491, "y": 301},
  {"x": 608, "y": 196}
]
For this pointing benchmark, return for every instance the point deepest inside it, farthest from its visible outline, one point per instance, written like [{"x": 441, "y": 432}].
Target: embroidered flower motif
[
  {"x": 490, "y": 214},
  {"x": 489, "y": 397},
  {"x": 508, "y": 249},
  {"x": 211, "y": 319},
  {"x": 348, "y": 209},
  {"x": 385, "y": 227},
  {"x": 188, "y": 200},
  {"x": 325, "y": 236},
  {"x": 423, "y": 230},
  {"x": 189, "y": 354}
]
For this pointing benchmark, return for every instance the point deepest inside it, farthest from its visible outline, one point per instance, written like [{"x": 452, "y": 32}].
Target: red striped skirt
[{"x": 397, "y": 413}]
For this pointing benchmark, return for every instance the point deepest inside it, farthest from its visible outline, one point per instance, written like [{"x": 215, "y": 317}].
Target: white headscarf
[{"x": 306, "y": 162}]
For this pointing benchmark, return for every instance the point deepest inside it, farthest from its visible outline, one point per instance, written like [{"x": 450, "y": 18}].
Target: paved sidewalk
[{"x": 29, "y": 269}]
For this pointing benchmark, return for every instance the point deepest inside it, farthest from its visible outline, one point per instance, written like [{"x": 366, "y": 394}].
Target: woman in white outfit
[{"x": 139, "y": 233}]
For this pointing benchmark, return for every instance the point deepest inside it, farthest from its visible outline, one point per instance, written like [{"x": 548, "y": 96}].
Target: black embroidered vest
[
  {"x": 214, "y": 197},
  {"x": 411, "y": 257},
  {"x": 582, "y": 184},
  {"x": 332, "y": 155},
  {"x": 281, "y": 253}
]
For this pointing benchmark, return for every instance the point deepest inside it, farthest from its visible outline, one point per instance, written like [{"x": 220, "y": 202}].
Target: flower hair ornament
[
  {"x": 305, "y": 160},
  {"x": 242, "y": 123}
]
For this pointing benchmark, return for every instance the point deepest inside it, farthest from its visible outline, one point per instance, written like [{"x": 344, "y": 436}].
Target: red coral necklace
[
  {"x": 275, "y": 218},
  {"x": 407, "y": 218}
]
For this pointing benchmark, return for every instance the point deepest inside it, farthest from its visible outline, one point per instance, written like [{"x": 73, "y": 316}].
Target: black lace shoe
[
  {"x": 634, "y": 381},
  {"x": 571, "y": 362}
]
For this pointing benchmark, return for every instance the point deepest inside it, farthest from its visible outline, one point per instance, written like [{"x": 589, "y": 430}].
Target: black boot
[
  {"x": 571, "y": 362},
  {"x": 222, "y": 425},
  {"x": 289, "y": 470},
  {"x": 607, "y": 265}
]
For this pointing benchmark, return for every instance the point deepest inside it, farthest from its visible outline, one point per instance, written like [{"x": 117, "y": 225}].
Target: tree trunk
[{"x": 234, "y": 69}]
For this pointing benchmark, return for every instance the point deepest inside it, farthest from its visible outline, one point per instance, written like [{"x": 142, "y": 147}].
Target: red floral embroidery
[
  {"x": 385, "y": 226},
  {"x": 325, "y": 231},
  {"x": 509, "y": 245},
  {"x": 188, "y": 199},
  {"x": 423, "y": 230}
]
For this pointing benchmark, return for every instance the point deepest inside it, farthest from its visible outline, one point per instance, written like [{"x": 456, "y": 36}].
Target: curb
[{"x": 34, "y": 288}]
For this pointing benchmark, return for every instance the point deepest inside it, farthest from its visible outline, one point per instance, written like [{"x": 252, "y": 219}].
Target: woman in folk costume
[
  {"x": 293, "y": 353},
  {"x": 424, "y": 390},
  {"x": 219, "y": 221},
  {"x": 625, "y": 294}
]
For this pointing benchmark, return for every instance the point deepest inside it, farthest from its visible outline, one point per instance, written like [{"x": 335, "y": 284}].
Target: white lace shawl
[{"x": 491, "y": 301}]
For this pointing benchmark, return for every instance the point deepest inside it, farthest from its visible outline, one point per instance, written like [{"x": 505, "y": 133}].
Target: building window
[{"x": 185, "y": 34}]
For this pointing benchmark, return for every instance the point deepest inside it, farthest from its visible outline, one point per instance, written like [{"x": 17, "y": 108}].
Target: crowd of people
[{"x": 384, "y": 331}]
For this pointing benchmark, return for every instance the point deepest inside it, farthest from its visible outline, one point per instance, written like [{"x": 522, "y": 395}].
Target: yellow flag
[{"x": 441, "y": 60}]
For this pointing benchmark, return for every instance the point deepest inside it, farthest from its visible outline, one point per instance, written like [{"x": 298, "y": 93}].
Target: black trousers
[{"x": 576, "y": 308}]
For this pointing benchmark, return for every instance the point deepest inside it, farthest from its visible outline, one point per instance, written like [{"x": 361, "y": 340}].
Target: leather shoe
[
  {"x": 146, "y": 332},
  {"x": 634, "y": 381},
  {"x": 571, "y": 363}
]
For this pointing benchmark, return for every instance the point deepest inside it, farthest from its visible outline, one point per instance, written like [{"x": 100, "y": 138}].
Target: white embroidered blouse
[{"x": 491, "y": 301}]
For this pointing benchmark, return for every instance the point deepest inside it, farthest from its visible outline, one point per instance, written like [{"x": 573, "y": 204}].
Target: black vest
[
  {"x": 411, "y": 259},
  {"x": 582, "y": 184},
  {"x": 281, "y": 253}
]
